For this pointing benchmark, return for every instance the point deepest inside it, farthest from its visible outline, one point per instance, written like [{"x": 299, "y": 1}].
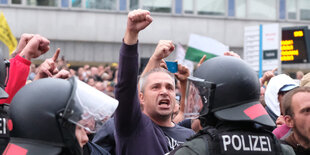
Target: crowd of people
[
  {"x": 102, "y": 77},
  {"x": 222, "y": 108}
]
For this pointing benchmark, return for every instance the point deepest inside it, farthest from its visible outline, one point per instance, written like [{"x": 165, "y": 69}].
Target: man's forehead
[
  {"x": 156, "y": 77},
  {"x": 301, "y": 100}
]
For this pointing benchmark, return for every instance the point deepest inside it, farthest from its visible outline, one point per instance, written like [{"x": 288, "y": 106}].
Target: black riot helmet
[
  {"x": 4, "y": 76},
  {"x": 229, "y": 90},
  {"x": 47, "y": 112}
]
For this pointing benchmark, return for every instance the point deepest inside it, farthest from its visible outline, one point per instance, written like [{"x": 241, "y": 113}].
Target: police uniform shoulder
[
  {"x": 287, "y": 150},
  {"x": 195, "y": 146}
]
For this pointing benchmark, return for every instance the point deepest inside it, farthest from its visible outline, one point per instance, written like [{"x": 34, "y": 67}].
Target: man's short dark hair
[
  {"x": 143, "y": 79},
  {"x": 287, "y": 99}
]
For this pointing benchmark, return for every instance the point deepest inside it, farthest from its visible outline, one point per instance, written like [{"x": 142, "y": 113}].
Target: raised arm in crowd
[{"x": 151, "y": 130}]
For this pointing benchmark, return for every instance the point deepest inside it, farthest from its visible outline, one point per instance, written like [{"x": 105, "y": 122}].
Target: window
[
  {"x": 3, "y": 1},
  {"x": 157, "y": 5},
  {"x": 291, "y": 9},
  {"x": 178, "y": 6},
  {"x": 262, "y": 9},
  {"x": 123, "y": 5},
  {"x": 188, "y": 6},
  {"x": 282, "y": 9},
  {"x": 240, "y": 8},
  {"x": 101, "y": 4},
  {"x": 16, "y": 1},
  {"x": 231, "y": 8},
  {"x": 64, "y": 3},
  {"x": 134, "y": 4},
  {"x": 304, "y": 9},
  {"x": 211, "y": 7},
  {"x": 42, "y": 2},
  {"x": 76, "y": 3}
]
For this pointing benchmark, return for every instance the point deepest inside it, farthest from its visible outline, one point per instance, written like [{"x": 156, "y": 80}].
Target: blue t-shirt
[
  {"x": 187, "y": 123},
  {"x": 176, "y": 135}
]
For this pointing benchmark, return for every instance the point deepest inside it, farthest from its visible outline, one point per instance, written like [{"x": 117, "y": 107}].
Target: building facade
[{"x": 91, "y": 31}]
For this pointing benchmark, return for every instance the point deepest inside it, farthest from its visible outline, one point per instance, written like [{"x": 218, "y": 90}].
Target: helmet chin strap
[
  {"x": 72, "y": 145},
  {"x": 208, "y": 120},
  {"x": 206, "y": 117}
]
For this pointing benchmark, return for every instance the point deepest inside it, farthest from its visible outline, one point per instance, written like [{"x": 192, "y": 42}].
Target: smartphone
[{"x": 172, "y": 66}]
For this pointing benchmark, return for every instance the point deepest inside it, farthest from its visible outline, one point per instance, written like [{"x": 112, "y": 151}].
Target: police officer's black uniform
[
  {"x": 233, "y": 120},
  {"x": 4, "y": 131}
]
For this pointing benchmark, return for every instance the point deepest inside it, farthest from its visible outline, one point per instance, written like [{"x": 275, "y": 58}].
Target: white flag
[
  {"x": 180, "y": 55},
  {"x": 201, "y": 45}
]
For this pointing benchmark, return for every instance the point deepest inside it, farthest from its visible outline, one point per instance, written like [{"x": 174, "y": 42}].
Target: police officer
[
  {"x": 48, "y": 116},
  {"x": 233, "y": 120},
  {"x": 4, "y": 133}
]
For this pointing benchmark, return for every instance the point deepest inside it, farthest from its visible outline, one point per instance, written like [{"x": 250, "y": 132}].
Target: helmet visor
[
  {"x": 197, "y": 95},
  {"x": 7, "y": 71},
  {"x": 3, "y": 94},
  {"x": 89, "y": 108}
]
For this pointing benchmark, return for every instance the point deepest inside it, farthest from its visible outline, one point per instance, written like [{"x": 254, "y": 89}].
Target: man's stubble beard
[{"x": 300, "y": 135}]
